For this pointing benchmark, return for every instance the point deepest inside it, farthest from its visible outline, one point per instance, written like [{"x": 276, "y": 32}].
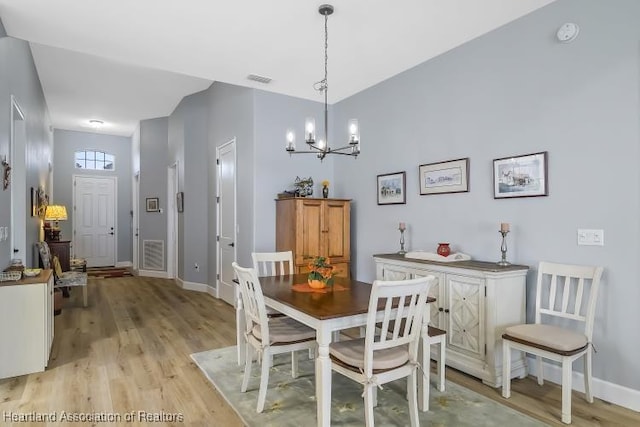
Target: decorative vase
[
  {"x": 325, "y": 191},
  {"x": 316, "y": 284},
  {"x": 443, "y": 249}
]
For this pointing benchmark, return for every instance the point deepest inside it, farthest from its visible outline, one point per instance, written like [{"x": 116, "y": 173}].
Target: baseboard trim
[
  {"x": 610, "y": 392},
  {"x": 212, "y": 291},
  {"x": 152, "y": 273},
  {"x": 124, "y": 264},
  {"x": 192, "y": 286}
]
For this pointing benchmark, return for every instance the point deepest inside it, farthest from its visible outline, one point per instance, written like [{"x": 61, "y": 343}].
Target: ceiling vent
[{"x": 259, "y": 79}]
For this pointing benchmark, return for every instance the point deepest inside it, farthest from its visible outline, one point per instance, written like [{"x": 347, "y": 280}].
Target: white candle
[
  {"x": 504, "y": 227},
  {"x": 402, "y": 226}
]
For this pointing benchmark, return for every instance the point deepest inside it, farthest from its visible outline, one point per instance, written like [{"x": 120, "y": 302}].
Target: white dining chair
[
  {"x": 378, "y": 358},
  {"x": 562, "y": 292},
  {"x": 267, "y": 336}
]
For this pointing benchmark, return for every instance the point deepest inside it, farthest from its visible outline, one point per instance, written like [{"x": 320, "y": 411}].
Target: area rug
[
  {"x": 291, "y": 402},
  {"x": 108, "y": 272}
]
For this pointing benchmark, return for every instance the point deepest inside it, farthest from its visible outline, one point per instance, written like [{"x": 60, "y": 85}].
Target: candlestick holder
[
  {"x": 401, "y": 251},
  {"x": 503, "y": 249}
]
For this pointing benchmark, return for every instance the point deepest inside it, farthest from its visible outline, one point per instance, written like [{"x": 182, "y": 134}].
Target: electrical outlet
[
  {"x": 590, "y": 237},
  {"x": 1, "y": 234},
  {"x": 6, "y": 233}
]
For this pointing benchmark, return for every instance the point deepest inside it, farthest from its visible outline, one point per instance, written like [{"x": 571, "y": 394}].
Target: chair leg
[
  {"x": 566, "y": 390},
  {"x": 294, "y": 364},
  {"x": 85, "y": 298},
  {"x": 540, "y": 370},
  {"x": 506, "y": 369},
  {"x": 248, "y": 360},
  {"x": 374, "y": 393},
  {"x": 587, "y": 375},
  {"x": 368, "y": 404},
  {"x": 264, "y": 379},
  {"x": 441, "y": 366},
  {"x": 412, "y": 385}
]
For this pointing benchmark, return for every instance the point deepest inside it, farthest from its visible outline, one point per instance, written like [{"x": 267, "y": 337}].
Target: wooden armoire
[{"x": 315, "y": 227}]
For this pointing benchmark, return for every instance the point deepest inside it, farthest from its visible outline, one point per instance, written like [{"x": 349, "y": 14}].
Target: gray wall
[
  {"x": 514, "y": 91},
  {"x": 153, "y": 181},
  {"x": 18, "y": 77},
  {"x": 66, "y": 143},
  {"x": 188, "y": 145}
]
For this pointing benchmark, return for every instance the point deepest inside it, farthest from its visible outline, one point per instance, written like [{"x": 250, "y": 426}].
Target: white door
[
  {"x": 136, "y": 222},
  {"x": 226, "y": 159},
  {"x": 17, "y": 160},
  {"x": 172, "y": 222},
  {"x": 94, "y": 220}
]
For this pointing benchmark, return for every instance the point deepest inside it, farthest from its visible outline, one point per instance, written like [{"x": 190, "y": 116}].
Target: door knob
[
  {"x": 112, "y": 233},
  {"x": 232, "y": 244}
]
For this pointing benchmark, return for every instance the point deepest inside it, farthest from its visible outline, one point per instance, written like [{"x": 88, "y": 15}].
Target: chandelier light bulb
[{"x": 291, "y": 140}]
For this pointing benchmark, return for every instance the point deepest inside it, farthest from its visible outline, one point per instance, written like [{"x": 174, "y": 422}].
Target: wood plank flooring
[{"x": 129, "y": 351}]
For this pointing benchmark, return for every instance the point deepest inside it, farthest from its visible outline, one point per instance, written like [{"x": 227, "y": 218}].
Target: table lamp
[{"x": 54, "y": 213}]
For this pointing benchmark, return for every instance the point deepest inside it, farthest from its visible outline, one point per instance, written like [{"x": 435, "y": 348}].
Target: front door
[
  {"x": 94, "y": 220},
  {"x": 226, "y": 159}
]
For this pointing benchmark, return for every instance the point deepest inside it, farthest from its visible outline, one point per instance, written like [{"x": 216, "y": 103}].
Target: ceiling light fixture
[
  {"x": 321, "y": 148},
  {"x": 96, "y": 124}
]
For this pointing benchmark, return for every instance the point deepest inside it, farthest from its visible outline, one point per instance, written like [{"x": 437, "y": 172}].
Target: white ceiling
[{"x": 121, "y": 61}]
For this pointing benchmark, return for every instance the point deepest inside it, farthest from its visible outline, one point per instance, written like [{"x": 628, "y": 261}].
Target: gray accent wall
[
  {"x": 66, "y": 143},
  {"x": 154, "y": 160},
  {"x": 514, "y": 91},
  {"x": 18, "y": 77}
]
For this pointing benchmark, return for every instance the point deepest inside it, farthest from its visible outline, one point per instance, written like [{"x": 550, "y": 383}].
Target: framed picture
[
  {"x": 451, "y": 176},
  {"x": 520, "y": 176},
  {"x": 180, "y": 201},
  {"x": 153, "y": 204},
  {"x": 392, "y": 188}
]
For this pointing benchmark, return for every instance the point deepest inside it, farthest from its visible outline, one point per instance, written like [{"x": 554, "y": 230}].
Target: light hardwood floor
[{"x": 129, "y": 351}]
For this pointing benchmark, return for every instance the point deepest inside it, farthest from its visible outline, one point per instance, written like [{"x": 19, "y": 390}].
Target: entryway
[{"x": 226, "y": 196}]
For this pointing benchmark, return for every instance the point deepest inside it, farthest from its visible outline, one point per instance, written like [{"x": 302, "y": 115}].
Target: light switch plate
[{"x": 590, "y": 237}]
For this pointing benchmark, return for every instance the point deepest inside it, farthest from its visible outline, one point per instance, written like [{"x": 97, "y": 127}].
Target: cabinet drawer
[{"x": 340, "y": 270}]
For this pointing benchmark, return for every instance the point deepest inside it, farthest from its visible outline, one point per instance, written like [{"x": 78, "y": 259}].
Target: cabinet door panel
[
  {"x": 466, "y": 315},
  {"x": 436, "y": 291},
  {"x": 310, "y": 227},
  {"x": 336, "y": 228},
  {"x": 395, "y": 273}
]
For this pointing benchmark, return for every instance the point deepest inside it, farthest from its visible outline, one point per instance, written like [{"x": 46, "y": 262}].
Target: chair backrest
[
  {"x": 410, "y": 297},
  {"x": 568, "y": 291},
  {"x": 45, "y": 254},
  {"x": 272, "y": 263},
  {"x": 253, "y": 300}
]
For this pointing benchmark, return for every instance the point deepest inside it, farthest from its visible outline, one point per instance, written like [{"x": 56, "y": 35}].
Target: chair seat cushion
[
  {"x": 71, "y": 278},
  {"x": 351, "y": 352},
  {"x": 284, "y": 330},
  {"x": 552, "y": 337}
]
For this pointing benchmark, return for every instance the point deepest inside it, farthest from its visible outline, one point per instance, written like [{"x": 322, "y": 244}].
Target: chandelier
[{"x": 321, "y": 147}]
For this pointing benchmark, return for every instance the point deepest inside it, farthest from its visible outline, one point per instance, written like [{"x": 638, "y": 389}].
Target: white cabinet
[
  {"x": 475, "y": 302},
  {"x": 26, "y": 330}
]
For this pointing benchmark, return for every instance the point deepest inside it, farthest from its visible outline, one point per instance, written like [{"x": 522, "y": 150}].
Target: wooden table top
[{"x": 332, "y": 304}]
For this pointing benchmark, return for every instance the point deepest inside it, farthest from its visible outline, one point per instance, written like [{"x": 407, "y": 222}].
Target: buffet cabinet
[
  {"x": 475, "y": 302},
  {"x": 26, "y": 331},
  {"x": 315, "y": 227}
]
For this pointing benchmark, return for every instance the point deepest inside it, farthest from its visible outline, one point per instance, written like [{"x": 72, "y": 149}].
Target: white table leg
[
  {"x": 424, "y": 357},
  {"x": 323, "y": 378},
  {"x": 240, "y": 327}
]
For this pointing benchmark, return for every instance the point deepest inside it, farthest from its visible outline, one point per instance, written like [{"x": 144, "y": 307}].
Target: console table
[
  {"x": 475, "y": 302},
  {"x": 26, "y": 330}
]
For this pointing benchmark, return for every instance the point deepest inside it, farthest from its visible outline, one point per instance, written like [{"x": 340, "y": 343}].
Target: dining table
[{"x": 341, "y": 306}]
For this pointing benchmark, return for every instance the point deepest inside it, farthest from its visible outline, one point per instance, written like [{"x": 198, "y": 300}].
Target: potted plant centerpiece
[{"x": 320, "y": 273}]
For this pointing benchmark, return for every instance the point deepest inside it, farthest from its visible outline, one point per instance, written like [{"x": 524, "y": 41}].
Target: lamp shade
[{"x": 55, "y": 213}]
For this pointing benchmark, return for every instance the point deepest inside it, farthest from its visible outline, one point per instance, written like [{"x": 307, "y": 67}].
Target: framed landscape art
[
  {"x": 444, "y": 177},
  {"x": 520, "y": 176},
  {"x": 392, "y": 188}
]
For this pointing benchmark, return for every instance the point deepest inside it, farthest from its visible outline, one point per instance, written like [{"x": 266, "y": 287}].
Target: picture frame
[
  {"x": 153, "y": 204},
  {"x": 180, "y": 201},
  {"x": 392, "y": 188},
  {"x": 520, "y": 176},
  {"x": 451, "y": 176}
]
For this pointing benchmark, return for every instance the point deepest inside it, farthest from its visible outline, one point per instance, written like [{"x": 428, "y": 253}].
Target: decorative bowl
[{"x": 31, "y": 272}]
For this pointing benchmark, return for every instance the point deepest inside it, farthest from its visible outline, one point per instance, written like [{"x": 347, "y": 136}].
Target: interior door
[
  {"x": 18, "y": 186},
  {"x": 94, "y": 220},
  {"x": 226, "y": 159}
]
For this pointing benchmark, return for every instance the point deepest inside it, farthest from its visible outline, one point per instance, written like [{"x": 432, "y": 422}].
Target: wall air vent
[
  {"x": 259, "y": 79},
  {"x": 153, "y": 254}
]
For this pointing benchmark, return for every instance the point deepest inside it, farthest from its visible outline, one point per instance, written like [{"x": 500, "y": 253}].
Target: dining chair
[
  {"x": 62, "y": 279},
  {"x": 267, "y": 336},
  {"x": 563, "y": 291},
  {"x": 379, "y": 358}
]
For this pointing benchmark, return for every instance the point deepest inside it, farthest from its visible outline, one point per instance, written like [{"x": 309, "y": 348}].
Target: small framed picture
[
  {"x": 520, "y": 176},
  {"x": 180, "y": 201},
  {"x": 153, "y": 204},
  {"x": 451, "y": 176},
  {"x": 392, "y": 188}
]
